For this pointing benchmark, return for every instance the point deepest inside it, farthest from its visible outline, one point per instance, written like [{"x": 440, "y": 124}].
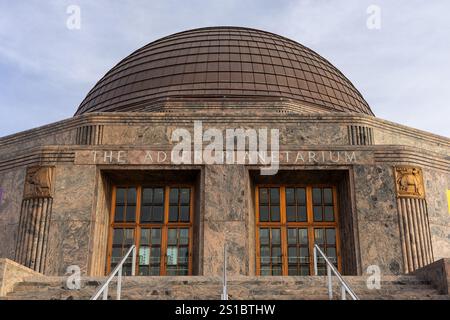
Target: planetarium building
[{"x": 371, "y": 194}]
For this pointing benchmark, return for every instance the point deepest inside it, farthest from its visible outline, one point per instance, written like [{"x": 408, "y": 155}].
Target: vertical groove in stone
[
  {"x": 93, "y": 135},
  {"x": 91, "y": 132},
  {"x": 86, "y": 135},
  {"x": 353, "y": 134},
  {"x": 33, "y": 232},
  {"x": 414, "y": 233},
  {"x": 360, "y": 135},
  {"x": 28, "y": 238},
  {"x": 45, "y": 238},
  {"x": 350, "y": 135},
  {"x": 407, "y": 234},
  {"x": 417, "y": 233},
  {"x": 402, "y": 239},
  {"x": 360, "y": 142},
  {"x": 423, "y": 224},
  {"x": 420, "y": 239},
  {"x": 427, "y": 229},
  {"x": 363, "y": 138},
  {"x": 41, "y": 234},
  {"x": 89, "y": 135},
  {"x": 100, "y": 138},
  {"x": 363, "y": 135}
]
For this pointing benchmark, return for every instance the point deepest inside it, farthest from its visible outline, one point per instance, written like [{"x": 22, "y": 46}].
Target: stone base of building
[
  {"x": 12, "y": 273},
  {"x": 20, "y": 283},
  {"x": 438, "y": 273}
]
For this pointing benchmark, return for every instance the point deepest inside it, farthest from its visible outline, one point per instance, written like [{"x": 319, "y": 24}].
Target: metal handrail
[
  {"x": 117, "y": 270},
  {"x": 224, "y": 295},
  {"x": 331, "y": 268}
]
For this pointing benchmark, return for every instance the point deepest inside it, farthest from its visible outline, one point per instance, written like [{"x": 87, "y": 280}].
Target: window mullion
[
  {"x": 164, "y": 231},
  {"x": 283, "y": 233}
]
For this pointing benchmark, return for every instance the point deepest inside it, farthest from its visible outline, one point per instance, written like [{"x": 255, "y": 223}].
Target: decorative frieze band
[
  {"x": 360, "y": 135},
  {"x": 89, "y": 135},
  {"x": 413, "y": 218},
  {"x": 35, "y": 214}
]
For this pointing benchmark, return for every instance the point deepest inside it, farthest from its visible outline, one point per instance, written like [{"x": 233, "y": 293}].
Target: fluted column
[
  {"x": 31, "y": 245},
  {"x": 413, "y": 218}
]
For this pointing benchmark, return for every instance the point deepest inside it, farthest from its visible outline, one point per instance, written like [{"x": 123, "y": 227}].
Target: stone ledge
[
  {"x": 12, "y": 273},
  {"x": 438, "y": 273},
  {"x": 147, "y": 118}
]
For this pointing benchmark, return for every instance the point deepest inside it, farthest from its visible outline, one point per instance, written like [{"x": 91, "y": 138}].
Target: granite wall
[
  {"x": 437, "y": 183},
  {"x": 225, "y": 219},
  {"x": 73, "y": 214},
  {"x": 377, "y": 218},
  {"x": 11, "y": 183}
]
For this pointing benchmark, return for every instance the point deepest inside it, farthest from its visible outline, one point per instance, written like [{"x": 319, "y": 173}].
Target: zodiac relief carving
[
  {"x": 38, "y": 182},
  {"x": 409, "y": 182}
]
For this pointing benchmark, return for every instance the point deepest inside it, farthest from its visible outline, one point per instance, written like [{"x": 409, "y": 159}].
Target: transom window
[
  {"x": 290, "y": 219},
  {"x": 158, "y": 220}
]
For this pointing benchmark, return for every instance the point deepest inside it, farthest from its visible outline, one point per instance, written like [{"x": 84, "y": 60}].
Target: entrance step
[{"x": 241, "y": 287}]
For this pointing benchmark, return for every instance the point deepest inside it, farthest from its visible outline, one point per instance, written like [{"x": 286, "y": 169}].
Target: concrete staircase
[{"x": 254, "y": 288}]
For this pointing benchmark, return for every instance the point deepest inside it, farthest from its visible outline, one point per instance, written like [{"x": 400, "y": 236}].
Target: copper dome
[{"x": 223, "y": 62}]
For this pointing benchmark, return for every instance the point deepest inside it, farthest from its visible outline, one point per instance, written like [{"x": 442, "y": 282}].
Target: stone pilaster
[
  {"x": 31, "y": 246},
  {"x": 413, "y": 218}
]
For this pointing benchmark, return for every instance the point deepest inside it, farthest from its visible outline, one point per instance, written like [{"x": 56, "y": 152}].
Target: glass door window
[
  {"x": 158, "y": 220},
  {"x": 290, "y": 219}
]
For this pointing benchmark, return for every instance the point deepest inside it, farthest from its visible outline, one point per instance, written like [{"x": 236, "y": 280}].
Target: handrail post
[
  {"x": 105, "y": 293},
  {"x": 133, "y": 262},
  {"x": 118, "y": 270},
  {"x": 224, "y": 288},
  {"x": 330, "y": 270},
  {"x": 343, "y": 293},
  {"x": 330, "y": 284},
  {"x": 316, "y": 272},
  {"x": 119, "y": 283}
]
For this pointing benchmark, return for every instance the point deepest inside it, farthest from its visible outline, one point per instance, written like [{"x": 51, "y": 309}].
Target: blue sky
[{"x": 403, "y": 69}]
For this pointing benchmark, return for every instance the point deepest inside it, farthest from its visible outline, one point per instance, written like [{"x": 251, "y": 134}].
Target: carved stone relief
[
  {"x": 409, "y": 182},
  {"x": 39, "y": 182}
]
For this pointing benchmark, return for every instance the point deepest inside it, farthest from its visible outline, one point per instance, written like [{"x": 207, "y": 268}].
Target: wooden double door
[
  {"x": 289, "y": 220},
  {"x": 158, "y": 220}
]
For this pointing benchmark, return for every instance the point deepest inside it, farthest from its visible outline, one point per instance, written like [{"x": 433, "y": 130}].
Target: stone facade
[{"x": 81, "y": 156}]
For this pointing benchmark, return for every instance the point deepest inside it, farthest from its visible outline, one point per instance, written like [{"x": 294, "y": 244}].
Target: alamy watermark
[
  {"x": 374, "y": 19},
  {"x": 374, "y": 280},
  {"x": 73, "y": 282},
  {"x": 238, "y": 146},
  {"x": 73, "y": 21}
]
